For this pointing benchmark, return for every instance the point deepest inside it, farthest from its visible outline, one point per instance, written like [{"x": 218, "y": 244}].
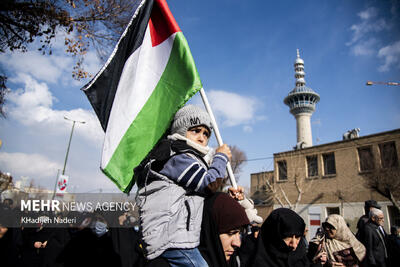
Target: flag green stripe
[{"x": 178, "y": 83}]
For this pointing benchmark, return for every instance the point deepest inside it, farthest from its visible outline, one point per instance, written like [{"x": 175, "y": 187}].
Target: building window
[
  {"x": 388, "y": 155},
  {"x": 312, "y": 166},
  {"x": 329, "y": 163},
  {"x": 394, "y": 215},
  {"x": 366, "y": 158},
  {"x": 332, "y": 210},
  {"x": 282, "y": 170}
]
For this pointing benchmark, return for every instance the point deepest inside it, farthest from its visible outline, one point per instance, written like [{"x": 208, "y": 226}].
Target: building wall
[
  {"x": 347, "y": 184},
  {"x": 258, "y": 180},
  {"x": 344, "y": 190}
]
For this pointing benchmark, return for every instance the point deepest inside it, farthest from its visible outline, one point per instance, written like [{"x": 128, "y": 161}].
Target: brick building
[{"x": 331, "y": 178}]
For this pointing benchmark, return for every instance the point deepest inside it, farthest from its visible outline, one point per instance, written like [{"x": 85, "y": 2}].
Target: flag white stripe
[{"x": 142, "y": 71}]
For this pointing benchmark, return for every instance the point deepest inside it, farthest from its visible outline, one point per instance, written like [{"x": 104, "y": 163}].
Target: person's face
[
  {"x": 379, "y": 219},
  {"x": 330, "y": 230},
  {"x": 199, "y": 135},
  {"x": 292, "y": 241},
  {"x": 3, "y": 231},
  {"x": 230, "y": 241}
]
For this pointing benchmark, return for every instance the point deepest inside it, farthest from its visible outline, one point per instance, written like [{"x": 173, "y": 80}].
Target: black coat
[
  {"x": 247, "y": 250},
  {"x": 31, "y": 256},
  {"x": 376, "y": 247},
  {"x": 270, "y": 256},
  {"x": 360, "y": 227},
  {"x": 126, "y": 245},
  {"x": 57, "y": 240},
  {"x": 86, "y": 249},
  {"x": 10, "y": 248},
  {"x": 393, "y": 242}
]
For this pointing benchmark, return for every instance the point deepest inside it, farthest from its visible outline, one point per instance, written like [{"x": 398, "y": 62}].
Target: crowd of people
[
  {"x": 227, "y": 238},
  {"x": 185, "y": 221}
]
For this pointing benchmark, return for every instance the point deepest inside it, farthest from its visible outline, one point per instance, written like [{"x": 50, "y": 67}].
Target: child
[{"x": 172, "y": 183}]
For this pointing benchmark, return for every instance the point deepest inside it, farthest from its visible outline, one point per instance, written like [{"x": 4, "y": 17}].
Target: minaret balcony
[{"x": 297, "y": 109}]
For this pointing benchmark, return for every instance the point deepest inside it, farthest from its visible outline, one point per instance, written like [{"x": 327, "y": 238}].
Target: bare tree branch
[
  {"x": 383, "y": 178},
  {"x": 273, "y": 192},
  {"x": 87, "y": 24}
]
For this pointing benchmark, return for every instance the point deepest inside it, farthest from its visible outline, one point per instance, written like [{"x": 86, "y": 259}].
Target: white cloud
[
  {"x": 45, "y": 68},
  {"x": 54, "y": 68},
  {"x": 28, "y": 164},
  {"x": 92, "y": 63},
  {"x": 32, "y": 106},
  {"x": 367, "y": 38},
  {"x": 234, "y": 109},
  {"x": 368, "y": 13},
  {"x": 391, "y": 55},
  {"x": 361, "y": 42},
  {"x": 364, "y": 49},
  {"x": 247, "y": 129},
  {"x": 366, "y": 26}
]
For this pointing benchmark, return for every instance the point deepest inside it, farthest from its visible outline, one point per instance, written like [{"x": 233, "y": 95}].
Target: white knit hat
[{"x": 190, "y": 116}]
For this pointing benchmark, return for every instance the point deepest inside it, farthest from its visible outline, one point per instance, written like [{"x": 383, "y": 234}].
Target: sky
[{"x": 244, "y": 52}]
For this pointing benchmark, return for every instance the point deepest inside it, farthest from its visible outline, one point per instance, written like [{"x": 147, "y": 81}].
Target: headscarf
[
  {"x": 343, "y": 239},
  {"x": 221, "y": 214},
  {"x": 271, "y": 249}
]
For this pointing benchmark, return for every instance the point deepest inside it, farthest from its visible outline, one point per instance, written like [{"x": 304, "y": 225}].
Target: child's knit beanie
[{"x": 190, "y": 116}]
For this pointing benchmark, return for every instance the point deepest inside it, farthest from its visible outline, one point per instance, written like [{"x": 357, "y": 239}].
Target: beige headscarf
[{"x": 343, "y": 239}]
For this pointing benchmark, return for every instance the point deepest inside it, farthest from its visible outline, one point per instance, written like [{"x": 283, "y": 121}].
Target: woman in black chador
[
  {"x": 223, "y": 222},
  {"x": 279, "y": 241}
]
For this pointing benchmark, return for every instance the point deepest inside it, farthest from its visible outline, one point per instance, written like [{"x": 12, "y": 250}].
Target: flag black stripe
[{"x": 101, "y": 92}]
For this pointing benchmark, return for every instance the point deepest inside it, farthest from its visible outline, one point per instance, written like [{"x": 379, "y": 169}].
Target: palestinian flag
[{"x": 149, "y": 76}]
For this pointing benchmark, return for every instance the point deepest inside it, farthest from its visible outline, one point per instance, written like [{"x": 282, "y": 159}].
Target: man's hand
[
  {"x": 237, "y": 194},
  {"x": 337, "y": 264},
  {"x": 321, "y": 258}
]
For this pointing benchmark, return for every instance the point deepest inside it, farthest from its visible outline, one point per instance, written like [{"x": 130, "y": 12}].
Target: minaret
[{"x": 301, "y": 101}]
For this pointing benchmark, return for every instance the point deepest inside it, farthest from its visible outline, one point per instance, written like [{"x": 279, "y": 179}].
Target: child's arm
[{"x": 190, "y": 174}]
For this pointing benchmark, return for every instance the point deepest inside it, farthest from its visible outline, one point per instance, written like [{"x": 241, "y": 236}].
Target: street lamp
[
  {"x": 384, "y": 83},
  {"x": 66, "y": 156},
  {"x": 70, "y": 138}
]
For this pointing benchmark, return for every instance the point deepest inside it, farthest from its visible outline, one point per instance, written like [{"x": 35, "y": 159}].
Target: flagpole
[
  {"x": 217, "y": 134},
  {"x": 55, "y": 186}
]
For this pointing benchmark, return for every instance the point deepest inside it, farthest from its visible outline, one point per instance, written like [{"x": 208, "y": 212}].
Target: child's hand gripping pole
[{"x": 217, "y": 135}]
